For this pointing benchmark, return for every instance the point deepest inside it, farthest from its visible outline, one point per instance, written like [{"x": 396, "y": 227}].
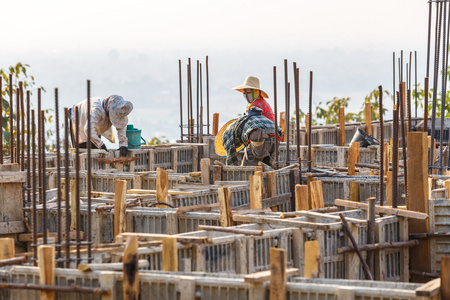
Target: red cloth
[{"x": 265, "y": 106}]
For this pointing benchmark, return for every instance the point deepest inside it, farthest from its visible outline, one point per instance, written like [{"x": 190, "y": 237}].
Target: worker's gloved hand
[
  {"x": 123, "y": 151},
  {"x": 104, "y": 147}
]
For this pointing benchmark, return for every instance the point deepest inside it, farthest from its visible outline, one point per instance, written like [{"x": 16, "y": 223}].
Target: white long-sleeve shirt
[{"x": 100, "y": 124}]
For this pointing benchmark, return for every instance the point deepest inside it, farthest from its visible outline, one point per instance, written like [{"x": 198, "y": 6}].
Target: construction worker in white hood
[{"x": 105, "y": 112}]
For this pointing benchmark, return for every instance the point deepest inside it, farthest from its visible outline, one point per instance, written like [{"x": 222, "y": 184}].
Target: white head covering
[{"x": 118, "y": 110}]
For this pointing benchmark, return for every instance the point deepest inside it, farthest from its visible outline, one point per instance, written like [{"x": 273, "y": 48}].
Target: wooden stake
[
  {"x": 312, "y": 156},
  {"x": 386, "y": 158},
  {"x": 120, "y": 205},
  {"x": 215, "y": 128},
  {"x": 306, "y": 130},
  {"x": 368, "y": 117},
  {"x": 256, "y": 191},
  {"x": 272, "y": 186},
  {"x": 162, "y": 186},
  {"x": 312, "y": 258},
  {"x": 73, "y": 205},
  {"x": 316, "y": 195},
  {"x": 204, "y": 167},
  {"x": 445, "y": 277},
  {"x": 354, "y": 191},
  {"x": 7, "y": 249},
  {"x": 131, "y": 269},
  {"x": 283, "y": 124},
  {"x": 169, "y": 254},
  {"x": 46, "y": 265},
  {"x": 352, "y": 159},
  {"x": 301, "y": 197},
  {"x": 418, "y": 186},
  {"x": 342, "y": 126},
  {"x": 389, "y": 189},
  {"x": 309, "y": 180},
  {"x": 278, "y": 279},
  {"x": 226, "y": 218}
]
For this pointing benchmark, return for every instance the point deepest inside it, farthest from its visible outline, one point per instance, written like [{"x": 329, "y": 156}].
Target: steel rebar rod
[
  {"x": 380, "y": 106},
  {"x": 425, "y": 105},
  {"x": 435, "y": 80},
  {"x": 355, "y": 246},
  {"x": 198, "y": 99},
  {"x": 58, "y": 177},
  {"x": 67, "y": 183},
  {"x": 409, "y": 70},
  {"x": 288, "y": 156},
  {"x": 408, "y": 109},
  {"x": 402, "y": 92},
  {"x": 77, "y": 186},
  {"x": 18, "y": 132},
  {"x": 275, "y": 116},
  {"x": 297, "y": 117},
  {"x": 395, "y": 159},
  {"x": 444, "y": 80},
  {"x": 207, "y": 93},
  {"x": 1, "y": 120},
  {"x": 200, "y": 122},
  {"x": 393, "y": 78},
  {"x": 286, "y": 105},
  {"x": 181, "y": 100},
  {"x": 22, "y": 132},
  {"x": 401, "y": 66},
  {"x": 44, "y": 201},
  {"x": 89, "y": 175},
  {"x": 188, "y": 103},
  {"x": 191, "y": 126},
  {"x": 11, "y": 124},
  {"x": 415, "y": 83},
  {"x": 40, "y": 150},
  {"x": 310, "y": 120},
  {"x": 29, "y": 166},
  {"x": 429, "y": 38},
  {"x": 33, "y": 159}
]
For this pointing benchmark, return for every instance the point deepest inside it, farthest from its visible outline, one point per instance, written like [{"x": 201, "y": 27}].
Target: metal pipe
[
  {"x": 207, "y": 93},
  {"x": 67, "y": 185},
  {"x": 34, "y": 187},
  {"x": 11, "y": 124},
  {"x": 310, "y": 120},
  {"x": 77, "y": 186},
  {"x": 181, "y": 100},
  {"x": 380, "y": 107},
  {"x": 58, "y": 178},
  {"x": 275, "y": 115},
  {"x": 286, "y": 101},
  {"x": 44, "y": 201},
  {"x": 89, "y": 175},
  {"x": 18, "y": 131}
]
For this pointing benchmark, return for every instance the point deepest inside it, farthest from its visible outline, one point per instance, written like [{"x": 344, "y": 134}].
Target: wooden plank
[
  {"x": 131, "y": 270},
  {"x": 389, "y": 188},
  {"x": 204, "y": 207},
  {"x": 7, "y": 249},
  {"x": 215, "y": 125},
  {"x": 445, "y": 277},
  {"x": 28, "y": 237},
  {"x": 272, "y": 186},
  {"x": 169, "y": 192},
  {"x": 430, "y": 289},
  {"x": 342, "y": 126},
  {"x": 418, "y": 186},
  {"x": 142, "y": 264},
  {"x": 13, "y": 177},
  {"x": 316, "y": 195},
  {"x": 170, "y": 254},
  {"x": 278, "y": 278},
  {"x": 73, "y": 205},
  {"x": 204, "y": 168},
  {"x": 159, "y": 237},
  {"x": 368, "y": 117},
  {"x": 312, "y": 258},
  {"x": 46, "y": 265},
  {"x": 383, "y": 209},
  {"x": 120, "y": 197},
  {"x": 354, "y": 191},
  {"x": 115, "y": 160},
  {"x": 351, "y": 159},
  {"x": 309, "y": 180},
  {"x": 226, "y": 218},
  {"x": 301, "y": 197},
  {"x": 386, "y": 158},
  {"x": 263, "y": 276},
  {"x": 255, "y": 191},
  {"x": 162, "y": 187},
  {"x": 283, "y": 124}
]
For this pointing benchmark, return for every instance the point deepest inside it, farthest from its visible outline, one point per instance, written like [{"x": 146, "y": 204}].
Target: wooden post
[
  {"x": 256, "y": 190},
  {"x": 391, "y": 147},
  {"x": 170, "y": 254},
  {"x": 389, "y": 189},
  {"x": 354, "y": 191},
  {"x": 386, "y": 158},
  {"x": 309, "y": 180},
  {"x": 137, "y": 181},
  {"x": 272, "y": 187},
  {"x": 352, "y": 158},
  {"x": 46, "y": 265},
  {"x": 120, "y": 205},
  {"x": 342, "y": 126},
  {"x": 7, "y": 249},
  {"x": 283, "y": 125},
  {"x": 217, "y": 173},
  {"x": 226, "y": 218},
  {"x": 162, "y": 186},
  {"x": 204, "y": 168},
  {"x": 368, "y": 117},
  {"x": 215, "y": 128},
  {"x": 316, "y": 194},
  {"x": 278, "y": 279},
  {"x": 301, "y": 197},
  {"x": 371, "y": 232},
  {"x": 131, "y": 269},
  {"x": 73, "y": 205},
  {"x": 312, "y": 156},
  {"x": 418, "y": 186},
  {"x": 445, "y": 277},
  {"x": 312, "y": 258}
]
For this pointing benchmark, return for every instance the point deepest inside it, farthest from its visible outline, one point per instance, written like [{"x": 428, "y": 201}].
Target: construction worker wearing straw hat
[
  {"x": 255, "y": 96},
  {"x": 105, "y": 113}
]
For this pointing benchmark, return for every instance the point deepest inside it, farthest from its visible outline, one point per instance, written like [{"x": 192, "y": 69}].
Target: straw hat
[
  {"x": 251, "y": 82},
  {"x": 118, "y": 110},
  {"x": 220, "y": 149}
]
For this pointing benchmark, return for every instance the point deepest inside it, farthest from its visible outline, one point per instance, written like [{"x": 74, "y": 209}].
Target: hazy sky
[{"x": 131, "y": 48}]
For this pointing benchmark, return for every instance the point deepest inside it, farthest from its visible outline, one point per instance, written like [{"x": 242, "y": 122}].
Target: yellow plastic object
[{"x": 220, "y": 150}]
